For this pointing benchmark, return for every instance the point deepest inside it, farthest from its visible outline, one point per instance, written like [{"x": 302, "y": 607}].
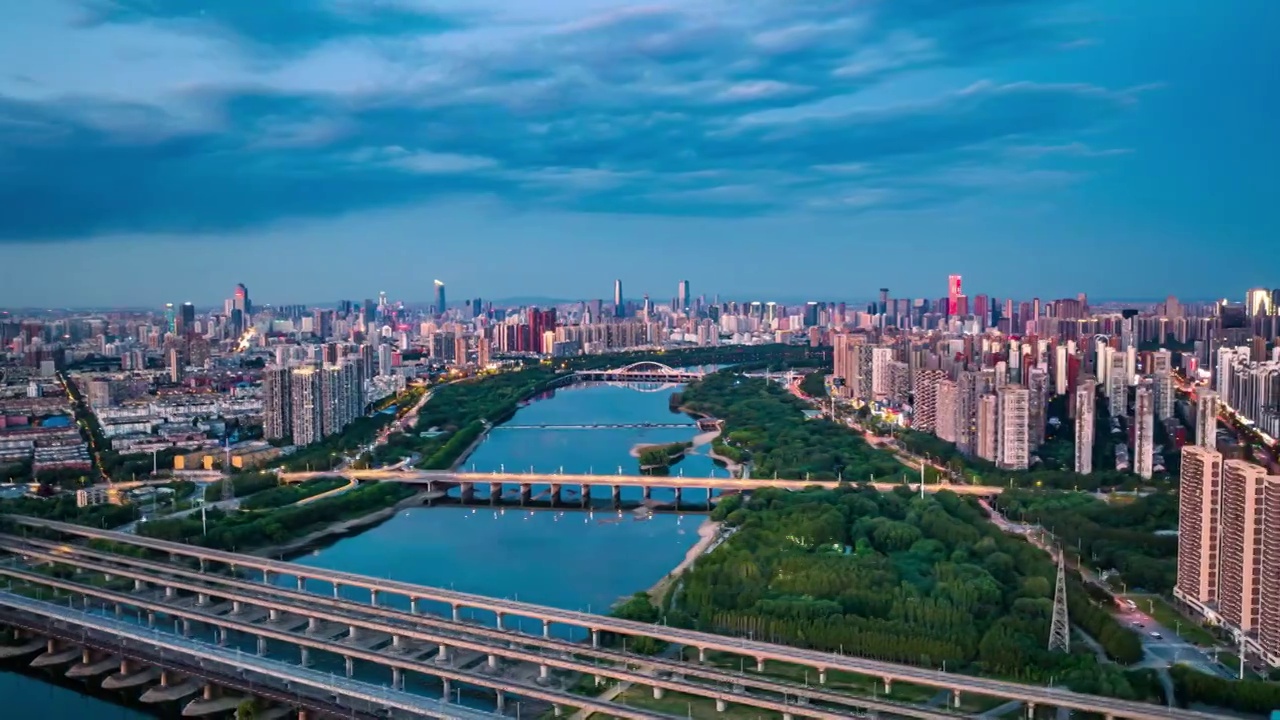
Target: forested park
[
  {"x": 764, "y": 423},
  {"x": 893, "y": 576}
]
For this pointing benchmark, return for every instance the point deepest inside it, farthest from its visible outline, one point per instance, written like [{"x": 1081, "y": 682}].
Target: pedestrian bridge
[{"x": 645, "y": 371}]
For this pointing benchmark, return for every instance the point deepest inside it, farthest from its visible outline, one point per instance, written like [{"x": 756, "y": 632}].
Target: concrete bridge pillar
[
  {"x": 493, "y": 662},
  {"x": 546, "y": 628},
  {"x": 303, "y": 714},
  {"x": 302, "y": 584},
  {"x": 186, "y": 627},
  {"x": 262, "y": 645},
  {"x": 447, "y": 696},
  {"x": 210, "y": 693},
  {"x": 236, "y": 607},
  {"x": 413, "y": 605},
  {"x": 457, "y": 612},
  {"x": 555, "y": 494},
  {"x": 51, "y": 646},
  {"x": 86, "y": 657},
  {"x": 151, "y": 619},
  {"x": 658, "y": 693},
  {"x": 702, "y": 656},
  {"x": 1031, "y": 710},
  {"x": 557, "y": 711},
  {"x": 584, "y": 492},
  {"x": 313, "y": 625},
  {"x": 351, "y": 666},
  {"x": 266, "y": 577},
  {"x": 759, "y": 664},
  {"x": 501, "y": 618},
  {"x": 955, "y": 698},
  {"x": 170, "y": 593},
  {"x": 353, "y": 632},
  {"x": 202, "y": 599},
  {"x": 502, "y": 702},
  {"x": 595, "y": 638},
  {"x": 166, "y": 678},
  {"x": 373, "y": 597},
  {"x": 617, "y": 495},
  {"x": 677, "y": 498},
  {"x": 119, "y": 610},
  {"x": 274, "y": 614},
  {"x": 397, "y": 678},
  {"x": 306, "y": 657},
  {"x": 526, "y": 493},
  {"x": 721, "y": 705},
  {"x": 495, "y": 492},
  {"x": 202, "y": 564},
  {"x": 126, "y": 667},
  {"x": 467, "y": 491},
  {"x": 822, "y": 676},
  {"x": 337, "y": 590},
  {"x": 646, "y": 492},
  {"x": 139, "y": 586},
  {"x": 787, "y": 716},
  {"x": 442, "y": 654},
  {"x": 108, "y": 577},
  {"x": 888, "y": 685},
  {"x": 544, "y": 674}
]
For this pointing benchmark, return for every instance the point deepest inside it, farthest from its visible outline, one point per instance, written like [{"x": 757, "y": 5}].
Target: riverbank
[
  {"x": 708, "y": 535},
  {"x": 341, "y": 528}
]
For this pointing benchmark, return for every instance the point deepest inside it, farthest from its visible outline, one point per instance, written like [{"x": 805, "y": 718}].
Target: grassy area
[{"x": 1164, "y": 613}]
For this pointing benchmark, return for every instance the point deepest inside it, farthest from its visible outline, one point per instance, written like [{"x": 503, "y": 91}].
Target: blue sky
[{"x": 164, "y": 150}]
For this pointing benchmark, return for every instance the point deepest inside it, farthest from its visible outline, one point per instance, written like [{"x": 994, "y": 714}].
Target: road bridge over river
[
  {"x": 557, "y": 481},
  {"x": 276, "y": 603}
]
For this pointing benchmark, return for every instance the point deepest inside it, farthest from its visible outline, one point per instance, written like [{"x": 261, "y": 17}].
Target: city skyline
[{"x": 495, "y": 146}]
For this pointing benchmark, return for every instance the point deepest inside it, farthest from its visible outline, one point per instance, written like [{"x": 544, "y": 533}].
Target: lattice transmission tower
[{"x": 1060, "y": 630}]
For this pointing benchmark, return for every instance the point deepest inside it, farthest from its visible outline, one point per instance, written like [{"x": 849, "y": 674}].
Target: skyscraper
[
  {"x": 440, "y": 303},
  {"x": 682, "y": 295},
  {"x": 1243, "y": 485},
  {"x": 618, "y": 310},
  {"x": 1144, "y": 431},
  {"x": 953, "y": 294},
  {"x": 987, "y": 433},
  {"x": 925, "y": 405},
  {"x": 1086, "y": 401},
  {"x": 948, "y": 410},
  {"x": 1206, "y": 418},
  {"x": 1199, "y": 500},
  {"x": 1014, "y": 451},
  {"x": 185, "y": 322},
  {"x": 305, "y": 413},
  {"x": 1269, "y": 574},
  {"x": 276, "y": 405}
]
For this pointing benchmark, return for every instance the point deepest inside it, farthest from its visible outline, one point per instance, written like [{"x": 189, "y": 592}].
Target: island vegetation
[
  {"x": 767, "y": 426},
  {"x": 658, "y": 459}
]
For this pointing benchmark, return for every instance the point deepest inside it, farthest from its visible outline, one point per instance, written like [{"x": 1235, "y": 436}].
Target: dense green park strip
[
  {"x": 768, "y": 426},
  {"x": 243, "y": 531},
  {"x": 1119, "y": 535},
  {"x": 896, "y": 577},
  {"x": 815, "y": 384},
  {"x": 242, "y": 485},
  {"x": 1256, "y": 697},
  {"x": 62, "y": 507},
  {"x": 290, "y": 494}
]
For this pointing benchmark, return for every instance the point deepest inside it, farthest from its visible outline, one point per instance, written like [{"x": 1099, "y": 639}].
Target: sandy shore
[{"x": 708, "y": 531}]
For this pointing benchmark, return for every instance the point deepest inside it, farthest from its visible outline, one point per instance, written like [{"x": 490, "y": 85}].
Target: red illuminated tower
[{"x": 953, "y": 294}]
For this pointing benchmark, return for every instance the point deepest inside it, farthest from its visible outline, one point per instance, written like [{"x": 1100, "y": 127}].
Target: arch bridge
[{"x": 646, "y": 371}]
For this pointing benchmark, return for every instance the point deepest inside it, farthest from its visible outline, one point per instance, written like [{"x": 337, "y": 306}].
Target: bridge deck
[{"x": 816, "y": 659}]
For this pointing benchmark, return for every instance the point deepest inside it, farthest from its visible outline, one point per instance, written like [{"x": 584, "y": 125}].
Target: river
[{"x": 568, "y": 558}]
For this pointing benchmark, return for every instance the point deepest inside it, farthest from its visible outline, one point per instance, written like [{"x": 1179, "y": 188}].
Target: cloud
[{"x": 169, "y": 118}]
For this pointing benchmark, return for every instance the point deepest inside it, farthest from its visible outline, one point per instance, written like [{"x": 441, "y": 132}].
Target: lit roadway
[
  {"x": 430, "y": 477},
  {"x": 453, "y": 634},
  {"x": 761, "y": 651}
]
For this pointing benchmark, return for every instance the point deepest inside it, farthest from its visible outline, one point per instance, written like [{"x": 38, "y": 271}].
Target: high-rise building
[
  {"x": 948, "y": 410},
  {"x": 185, "y": 321},
  {"x": 170, "y": 319},
  {"x": 1206, "y": 418},
  {"x": 953, "y": 295},
  {"x": 1037, "y": 382},
  {"x": 441, "y": 304},
  {"x": 1014, "y": 450},
  {"x": 1269, "y": 574},
  {"x": 925, "y": 406},
  {"x": 1086, "y": 401},
  {"x": 619, "y": 310},
  {"x": 1257, "y": 301},
  {"x": 306, "y": 413},
  {"x": 881, "y": 380},
  {"x": 276, "y": 404},
  {"x": 241, "y": 311},
  {"x": 682, "y": 295},
  {"x": 1117, "y": 384},
  {"x": 1199, "y": 527},
  {"x": 1243, "y": 485},
  {"x": 987, "y": 435},
  {"x": 483, "y": 352},
  {"x": 1144, "y": 431}
]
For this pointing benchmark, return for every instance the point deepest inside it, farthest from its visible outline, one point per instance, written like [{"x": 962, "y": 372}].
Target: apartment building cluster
[
  {"x": 36, "y": 423},
  {"x": 1229, "y": 547},
  {"x": 309, "y": 403}
]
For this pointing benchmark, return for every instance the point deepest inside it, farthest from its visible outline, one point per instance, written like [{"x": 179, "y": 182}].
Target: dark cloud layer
[{"x": 333, "y": 107}]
